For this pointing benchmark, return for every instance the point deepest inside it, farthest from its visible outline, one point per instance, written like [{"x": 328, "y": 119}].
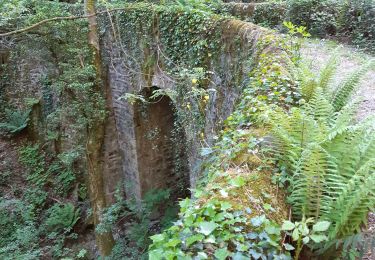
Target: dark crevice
[{"x": 161, "y": 147}]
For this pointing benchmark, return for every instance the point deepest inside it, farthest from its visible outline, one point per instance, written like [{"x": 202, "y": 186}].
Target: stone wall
[
  {"x": 130, "y": 68},
  {"x": 229, "y": 70}
]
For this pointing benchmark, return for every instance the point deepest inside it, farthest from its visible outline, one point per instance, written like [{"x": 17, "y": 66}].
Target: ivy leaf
[
  {"x": 202, "y": 255},
  {"x": 295, "y": 234},
  {"x": 223, "y": 193},
  {"x": 304, "y": 229},
  {"x": 306, "y": 240},
  {"x": 207, "y": 228},
  {"x": 252, "y": 235},
  {"x": 257, "y": 221},
  {"x": 288, "y": 247},
  {"x": 267, "y": 207},
  {"x": 318, "y": 238},
  {"x": 157, "y": 238},
  {"x": 272, "y": 230},
  {"x": 321, "y": 226},
  {"x": 221, "y": 253},
  {"x": 193, "y": 239},
  {"x": 239, "y": 256},
  {"x": 156, "y": 254},
  {"x": 237, "y": 182},
  {"x": 255, "y": 254},
  {"x": 173, "y": 242},
  {"x": 287, "y": 226},
  {"x": 211, "y": 239},
  {"x": 225, "y": 205},
  {"x": 184, "y": 203}
]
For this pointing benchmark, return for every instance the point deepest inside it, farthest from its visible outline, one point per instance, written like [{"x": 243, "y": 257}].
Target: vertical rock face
[
  {"x": 162, "y": 162},
  {"x": 135, "y": 67},
  {"x": 120, "y": 83}
]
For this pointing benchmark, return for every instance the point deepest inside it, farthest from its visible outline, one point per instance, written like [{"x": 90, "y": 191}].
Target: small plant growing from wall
[
  {"x": 62, "y": 216},
  {"x": 15, "y": 121}
]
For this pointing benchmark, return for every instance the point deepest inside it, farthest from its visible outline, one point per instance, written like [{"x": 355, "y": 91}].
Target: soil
[
  {"x": 318, "y": 52},
  {"x": 10, "y": 169}
]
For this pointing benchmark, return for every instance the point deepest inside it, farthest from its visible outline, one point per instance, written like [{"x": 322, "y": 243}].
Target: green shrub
[
  {"x": 140, "y": 217},
  {"x": 358, "y": 22},
  {"x": 31, "y": 157},
  {"x": 40, "y": 172},
  {"x": 62, "y": 216},
  {"x": 319, "y": 16},
  {"x": 18, "y": 232},
  {"x": 351, "y": 21},
  {"x": 15, "y": 121}
]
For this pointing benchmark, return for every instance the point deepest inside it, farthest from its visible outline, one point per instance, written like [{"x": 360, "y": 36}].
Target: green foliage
[
  {"x": 31, "y": 157},
  {"x": 215, "y": 229},
  {"x": 298, "y": 34},
  {"x": 353, "y": 19},
  {"x": 358, "y": 22},
  {"x": 60, "y": 172},
  {"x": 319, "y": 16},
  {"x": 347, "y": 20},
  {"x": 269, "y": 14},
  {"x": 11, "y": 10},
  {"x": 344, "y": 91},
  {"x": 21, "y": 234},
  {"x": 330, "y": 160},
  {"x": 140, "y": 222},
  {"x": 303, "y": 234},
  {"x": 18, "y": 233},
  {"x": 15, "y": 121},
  {"x": 338, "y": 94},
  {"x": 199, "y": 5},
  {"x": 62, "y": 216}
]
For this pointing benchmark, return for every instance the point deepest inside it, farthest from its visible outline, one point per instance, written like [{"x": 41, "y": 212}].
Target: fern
[
  {"x": 328, "y": 72},
  {"x": 351, "y": 207},
  {"x": 319, "y": 107},
  {"x": 346, "y": 88},
  {"x": 15, "y": 121},
  {"x": 62, "y": 216},
  {"x": 322, "y": 83},
  {"x": 331, "y": 162},
  {"x": 307, "y": 81},
  {"x": 307, "y": 191}
]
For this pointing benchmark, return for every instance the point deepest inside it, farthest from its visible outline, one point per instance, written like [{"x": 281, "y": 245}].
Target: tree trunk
[{"x": 95, "y": 140}]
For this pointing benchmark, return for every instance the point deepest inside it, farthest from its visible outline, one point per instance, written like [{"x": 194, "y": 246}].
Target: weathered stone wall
[
  {"x": 136, "y": 65},
  {"x": 229, "y": 69}
]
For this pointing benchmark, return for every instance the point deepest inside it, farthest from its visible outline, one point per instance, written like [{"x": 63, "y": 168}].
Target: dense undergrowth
[
  {"x": 348, "y": 21},
  {"x": 292, "y": 137}
]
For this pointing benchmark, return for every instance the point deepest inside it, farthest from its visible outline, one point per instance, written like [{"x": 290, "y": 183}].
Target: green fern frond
[
  {"x": 308, "y": 192},
  {"x": 15, "y": 121},
  {"x": 319, "y": 107},
  {"x": 351, "y": 207},
  {"x": 347, "y": 87},
  {"x": 62, "y": 216},
  {"x": 307, "y": 81},
  {"x": 343, "y": 120},
  {"x": 292, "y": 133},
  {"x": 328, "y": 71},
  {"x": 331, "y": 162}
]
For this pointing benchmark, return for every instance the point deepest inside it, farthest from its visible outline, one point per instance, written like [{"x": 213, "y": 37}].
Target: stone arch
[{"x": 160, "y": 146}]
